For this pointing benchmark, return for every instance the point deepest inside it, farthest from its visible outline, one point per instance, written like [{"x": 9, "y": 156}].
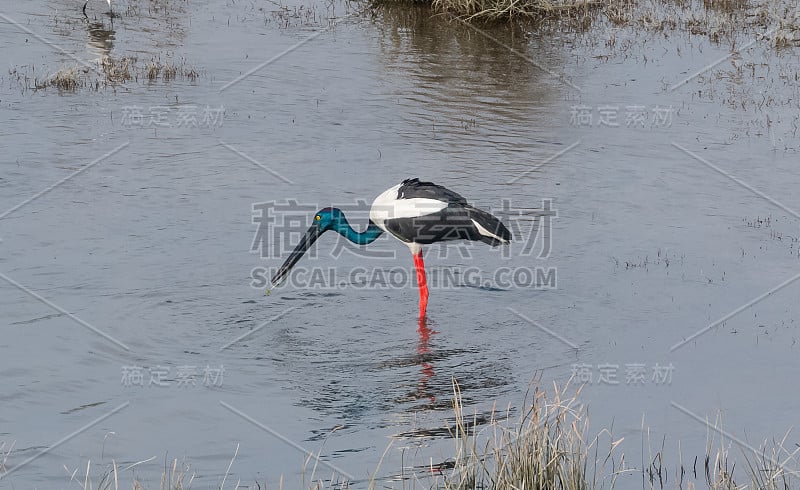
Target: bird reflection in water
[
  {"x": 425, "y": 358},
  {"x": 101, "y": 40}
]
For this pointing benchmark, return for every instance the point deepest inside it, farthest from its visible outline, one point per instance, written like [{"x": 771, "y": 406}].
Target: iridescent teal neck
[{"x": 361, "y": 238}]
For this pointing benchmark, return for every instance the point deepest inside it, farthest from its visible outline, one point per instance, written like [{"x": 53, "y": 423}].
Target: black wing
[
  {"x": 413, "y": 188},
  {"x": 455, "y": 222}
]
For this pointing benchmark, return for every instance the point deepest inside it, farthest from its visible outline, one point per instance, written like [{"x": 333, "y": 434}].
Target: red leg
[{"x": 422, "y": 282}]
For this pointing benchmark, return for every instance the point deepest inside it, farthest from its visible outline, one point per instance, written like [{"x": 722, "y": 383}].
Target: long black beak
[{"x": 305, "y": 243}]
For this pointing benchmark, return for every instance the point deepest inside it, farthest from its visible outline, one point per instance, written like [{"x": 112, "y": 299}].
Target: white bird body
[
  {"x": 388, "y": 206},
  {"x": 422, "y": 213}
]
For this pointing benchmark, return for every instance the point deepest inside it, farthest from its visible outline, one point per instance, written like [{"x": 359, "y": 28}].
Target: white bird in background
[{"x": 87, "y": 3}]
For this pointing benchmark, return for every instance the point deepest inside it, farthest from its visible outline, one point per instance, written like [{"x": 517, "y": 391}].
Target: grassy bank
[
  {"x": 499, "y": 10},
  {"x": 721, "y": 21},
  {"x": 511, "y": 9}
]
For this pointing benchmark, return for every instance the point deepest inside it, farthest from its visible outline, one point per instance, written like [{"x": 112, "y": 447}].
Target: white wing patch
[
  {"x": 483, "y": 231},
  {"x": 387, "y": 206}
]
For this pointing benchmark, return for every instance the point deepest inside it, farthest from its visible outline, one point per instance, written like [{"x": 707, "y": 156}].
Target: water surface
[{"x": 152, "y": 246}]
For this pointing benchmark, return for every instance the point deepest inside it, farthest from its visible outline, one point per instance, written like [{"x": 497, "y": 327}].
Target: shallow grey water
[{"x": 152, "y": 247}]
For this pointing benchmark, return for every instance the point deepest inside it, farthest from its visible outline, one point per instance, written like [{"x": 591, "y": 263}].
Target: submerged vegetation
[{"x": 108, "y": 73}]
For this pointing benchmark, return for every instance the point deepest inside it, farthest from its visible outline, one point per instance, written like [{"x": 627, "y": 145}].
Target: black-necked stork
[{"x": 417, "y": 213}]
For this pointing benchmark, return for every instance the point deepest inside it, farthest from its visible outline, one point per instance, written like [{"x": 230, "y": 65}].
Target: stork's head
[
  {"x": 328, "y": 219},
  {"x": 325, "y": 219}
]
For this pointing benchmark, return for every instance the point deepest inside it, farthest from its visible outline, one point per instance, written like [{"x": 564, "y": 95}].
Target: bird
[
  {"x": 87, "y": 3},
  {"x": 415, "y": 212}
]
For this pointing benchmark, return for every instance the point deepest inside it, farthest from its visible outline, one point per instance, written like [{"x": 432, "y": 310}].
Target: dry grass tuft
[
  {"x": 571, "y": 11},
  {"x": 153, "y": 70},
  {"x": 169, "y": 70},
  {"x": 118, "y": 70},
  {"x": 786, "y": 37},
  {"x": 68, "y": 79},
  {"x": 173, "y": 478},
  {"x": 548, "y": 448},
  {"x": 772, "y": 466},
  {"x": 496, "y": 10}
]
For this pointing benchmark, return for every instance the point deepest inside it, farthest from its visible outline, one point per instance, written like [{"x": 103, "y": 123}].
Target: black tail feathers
[{"x": 488, "y": 228}]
